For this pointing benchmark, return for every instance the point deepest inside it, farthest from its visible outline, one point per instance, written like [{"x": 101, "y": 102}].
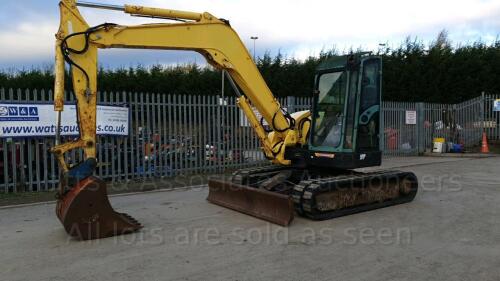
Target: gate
[{"x": 399, "y": 136}]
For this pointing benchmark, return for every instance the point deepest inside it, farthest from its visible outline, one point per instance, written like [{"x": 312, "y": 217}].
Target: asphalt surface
[{"x": 451, "y": 231}]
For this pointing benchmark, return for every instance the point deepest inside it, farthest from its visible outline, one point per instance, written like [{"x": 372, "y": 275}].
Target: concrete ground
[{"x": 450, "y": 232}]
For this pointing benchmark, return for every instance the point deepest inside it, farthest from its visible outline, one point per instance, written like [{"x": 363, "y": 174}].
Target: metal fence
[
  {"x": 461, "y": 123},
  {"x": 399, "y": 138},
  {"x": 176, "y": 134}
]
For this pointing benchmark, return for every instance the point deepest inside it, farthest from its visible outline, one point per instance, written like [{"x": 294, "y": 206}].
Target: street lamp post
[
  {"x": 254, "y": 38},
  {"x": 380, "y": 46}
]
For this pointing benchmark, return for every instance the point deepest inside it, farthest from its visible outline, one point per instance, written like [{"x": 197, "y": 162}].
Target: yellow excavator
[{"x": 313, "y": 153}]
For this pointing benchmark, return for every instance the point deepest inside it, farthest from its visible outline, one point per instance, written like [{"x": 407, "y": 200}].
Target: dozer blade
[
  {"x": 263, "y": 204},
  {"x": 86, "y": 213}
]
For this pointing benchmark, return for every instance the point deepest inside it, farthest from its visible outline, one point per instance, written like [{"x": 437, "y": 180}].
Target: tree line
[{"x": 413, "y": 71}]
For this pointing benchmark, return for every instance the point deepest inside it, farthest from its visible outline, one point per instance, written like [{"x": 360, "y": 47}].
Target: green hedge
[{"x": 412, "y": 72}]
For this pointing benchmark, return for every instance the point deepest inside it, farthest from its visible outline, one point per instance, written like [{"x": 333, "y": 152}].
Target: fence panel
[
  {"x": 492, "y": 117},
  {"x": 399, "y": 138},
  {"x": 469, "y": 122}
]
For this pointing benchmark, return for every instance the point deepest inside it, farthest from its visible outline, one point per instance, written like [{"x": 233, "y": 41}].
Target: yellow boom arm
[{"x": 77, "y": 44}]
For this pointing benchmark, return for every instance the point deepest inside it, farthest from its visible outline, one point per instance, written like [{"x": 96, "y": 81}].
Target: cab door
[{"x": 368, "y": 123}]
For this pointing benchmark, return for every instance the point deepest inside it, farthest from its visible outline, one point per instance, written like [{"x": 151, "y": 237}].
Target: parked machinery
[{"x": 313, "y": 153}]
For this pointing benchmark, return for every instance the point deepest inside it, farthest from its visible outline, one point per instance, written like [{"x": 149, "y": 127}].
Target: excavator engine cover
[
  {"x": 270, "y": 206},
  {"x": 86, "y": 213}
]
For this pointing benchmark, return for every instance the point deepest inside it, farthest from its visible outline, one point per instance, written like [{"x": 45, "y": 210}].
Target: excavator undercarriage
[{"x": 318, "y": 194}]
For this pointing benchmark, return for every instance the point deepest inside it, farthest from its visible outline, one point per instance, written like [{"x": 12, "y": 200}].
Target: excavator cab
[{"x": 345, "y": 114}]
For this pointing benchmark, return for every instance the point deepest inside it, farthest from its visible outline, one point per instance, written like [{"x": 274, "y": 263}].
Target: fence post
[
  {"x": 382, "y": 127},
  {"x": 482, "y": 112},
  {"x": 420, "y": 127},
  {"x": 290, "y": 104},
  {"x": 219, "y": 134}
]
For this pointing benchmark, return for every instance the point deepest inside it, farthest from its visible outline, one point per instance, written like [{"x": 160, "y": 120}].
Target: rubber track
[{"x": 304, "y": 194}]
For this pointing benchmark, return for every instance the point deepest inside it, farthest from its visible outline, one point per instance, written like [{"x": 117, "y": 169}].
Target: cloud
[
  {"x": 299, "y": 28},
  {"x": 27, "y": 40}
]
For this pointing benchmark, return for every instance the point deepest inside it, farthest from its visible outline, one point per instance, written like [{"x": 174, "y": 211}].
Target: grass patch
[
  {"x": 26, "y": 197},
  {"x": 16, "y": 198},
  {"x": 495, "y": 149}
]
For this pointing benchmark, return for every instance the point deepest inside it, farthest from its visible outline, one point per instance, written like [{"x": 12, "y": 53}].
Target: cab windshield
[{"x": 329, "y": 109}]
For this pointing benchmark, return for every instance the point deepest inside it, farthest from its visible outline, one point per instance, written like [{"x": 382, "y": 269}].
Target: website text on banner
[{"x": 39, "y": 120}]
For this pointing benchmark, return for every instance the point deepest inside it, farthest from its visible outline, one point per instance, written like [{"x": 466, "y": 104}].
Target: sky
[{"x": 296, "y": 28}]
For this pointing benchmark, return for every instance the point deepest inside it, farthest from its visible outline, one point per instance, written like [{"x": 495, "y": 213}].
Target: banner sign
[
  {"x": 496, "y": 105},
  {"x": 39, "y": 120}
]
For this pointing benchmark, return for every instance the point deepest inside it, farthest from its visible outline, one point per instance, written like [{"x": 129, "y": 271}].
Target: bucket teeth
[
  {"x": 86, "y": 213},
  {"x": 131, "y": 219}
]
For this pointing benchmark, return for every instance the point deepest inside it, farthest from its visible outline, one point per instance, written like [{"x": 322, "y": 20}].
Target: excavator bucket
[
  {"x": 270, "y": 206},
  {"x": 86, "y": 213}
]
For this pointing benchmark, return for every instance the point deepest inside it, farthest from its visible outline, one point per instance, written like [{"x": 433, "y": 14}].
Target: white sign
[
  {"x": 37, "y": 120},
  {"x": 411, "y": 117},
  {"x": 496, "y": 105}
]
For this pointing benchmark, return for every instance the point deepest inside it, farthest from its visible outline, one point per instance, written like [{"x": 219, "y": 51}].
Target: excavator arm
[{"x": 77, "y": 44}]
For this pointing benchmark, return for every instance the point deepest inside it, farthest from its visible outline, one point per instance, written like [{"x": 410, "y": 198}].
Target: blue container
[{"x": 457, "y": 148}]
